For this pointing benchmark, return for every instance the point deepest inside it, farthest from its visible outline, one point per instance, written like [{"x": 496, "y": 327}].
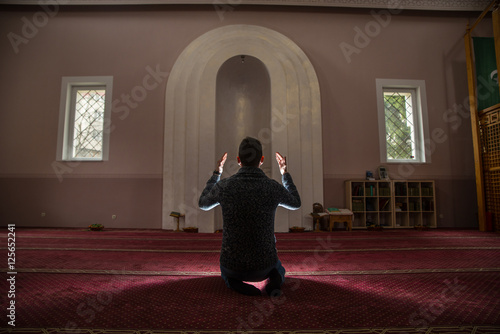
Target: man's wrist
[{"x": 216, "y": 172}]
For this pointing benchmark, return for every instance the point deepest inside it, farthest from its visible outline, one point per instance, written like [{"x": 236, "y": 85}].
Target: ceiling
[{"x": 436, "y": 5}]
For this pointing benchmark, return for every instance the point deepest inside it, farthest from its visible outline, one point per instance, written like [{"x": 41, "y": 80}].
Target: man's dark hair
[{"x": 250, "y": 152}]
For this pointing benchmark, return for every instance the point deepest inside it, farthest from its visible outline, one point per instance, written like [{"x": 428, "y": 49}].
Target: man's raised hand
[
  {"x": 282, "y": 163},
  {"x": 220, "y": 163}
]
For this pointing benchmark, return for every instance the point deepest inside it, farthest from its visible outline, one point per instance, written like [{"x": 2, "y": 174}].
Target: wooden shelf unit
[
  {"x": 370, "y": 201},
  {"x": 391, "y": 203},
  {"x": 414, "y": 203}
]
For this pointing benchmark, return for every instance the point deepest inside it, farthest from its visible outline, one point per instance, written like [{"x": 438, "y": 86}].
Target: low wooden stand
[
  {"x": 341, "y": 216},
  {"x": 316, "y": 220},
  {"x": 177, "y": 216}
]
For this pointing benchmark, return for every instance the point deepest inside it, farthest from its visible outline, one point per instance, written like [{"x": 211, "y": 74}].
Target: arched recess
[{"x": 295, "y": 129}]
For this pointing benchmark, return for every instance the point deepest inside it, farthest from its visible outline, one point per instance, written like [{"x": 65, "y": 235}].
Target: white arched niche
[{"x": 190, "y": 130}]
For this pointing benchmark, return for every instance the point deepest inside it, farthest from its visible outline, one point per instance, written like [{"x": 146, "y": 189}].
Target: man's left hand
[
  {"x": 281, "y": 163},
  {"x": 221, "y": 162}
]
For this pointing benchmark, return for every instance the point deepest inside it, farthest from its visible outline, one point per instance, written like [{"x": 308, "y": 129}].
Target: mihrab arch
[{"x": 295, "y": 129}]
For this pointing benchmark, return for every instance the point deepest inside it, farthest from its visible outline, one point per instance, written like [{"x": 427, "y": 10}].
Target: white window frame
[
  {"x": 420, "y": 118},
  {"x": 66, "y": 115}
]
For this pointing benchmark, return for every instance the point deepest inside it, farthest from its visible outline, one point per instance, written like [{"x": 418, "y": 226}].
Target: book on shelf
[
  {"x": 426, "y": 191},
  {"x": 384, "y": 204},
  {"x": 357, "y": 205},
  {"x": 370, "y": 191},
  {"x": 414, "y": 191},
  {"x": 384, "y": 191},
  {"x": 357, "y": 190},
  {"x": 400, "y": 189},
  {"x": 428, "y": 205}
]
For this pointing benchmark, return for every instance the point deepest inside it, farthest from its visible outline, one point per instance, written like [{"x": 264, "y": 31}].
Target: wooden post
[
  {"x": 476, "y": 139},
  {"x": 496, "y": 33}
]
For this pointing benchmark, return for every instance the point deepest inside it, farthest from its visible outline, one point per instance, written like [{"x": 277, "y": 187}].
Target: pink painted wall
[{"x": 130, "y": 42}]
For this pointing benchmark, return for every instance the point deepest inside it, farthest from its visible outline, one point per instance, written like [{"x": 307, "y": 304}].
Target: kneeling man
[{"x": 249, "y": 200}]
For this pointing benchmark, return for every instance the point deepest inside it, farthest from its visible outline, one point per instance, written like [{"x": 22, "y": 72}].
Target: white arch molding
[{"x": 295, "y": 129}]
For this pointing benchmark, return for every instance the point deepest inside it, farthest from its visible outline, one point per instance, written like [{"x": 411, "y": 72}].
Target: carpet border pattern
[
  {"x": 402, "y": 330},
  {"x": 287, "y": 239},
  {"x": 280, "y": 251},
  {"x": 217, "y": 273}
]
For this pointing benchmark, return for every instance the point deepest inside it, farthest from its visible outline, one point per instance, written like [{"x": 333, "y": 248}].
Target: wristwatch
[{"x": 216, "y": 172}]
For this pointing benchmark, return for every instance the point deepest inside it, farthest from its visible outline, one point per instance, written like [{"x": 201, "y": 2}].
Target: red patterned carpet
[{"x": 124, "y": 281}]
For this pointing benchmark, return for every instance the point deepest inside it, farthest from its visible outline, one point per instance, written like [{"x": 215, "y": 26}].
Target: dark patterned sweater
[{"x": 249, "y": 200}]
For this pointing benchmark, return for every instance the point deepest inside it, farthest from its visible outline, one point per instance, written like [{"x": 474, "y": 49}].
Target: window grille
[
  {"x": 84, "y": 118},
  {"x": 402, "y": 120},
  {"x": 399, "y": 125},
  {"x": 88, "y": 125}
]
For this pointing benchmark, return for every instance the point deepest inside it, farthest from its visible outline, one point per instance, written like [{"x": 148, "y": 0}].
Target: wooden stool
[{"x": 341, "y": 216}]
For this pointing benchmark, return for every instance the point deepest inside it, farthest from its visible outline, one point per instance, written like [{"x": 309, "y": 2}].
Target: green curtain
[{"x": 486, "y": 72}]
